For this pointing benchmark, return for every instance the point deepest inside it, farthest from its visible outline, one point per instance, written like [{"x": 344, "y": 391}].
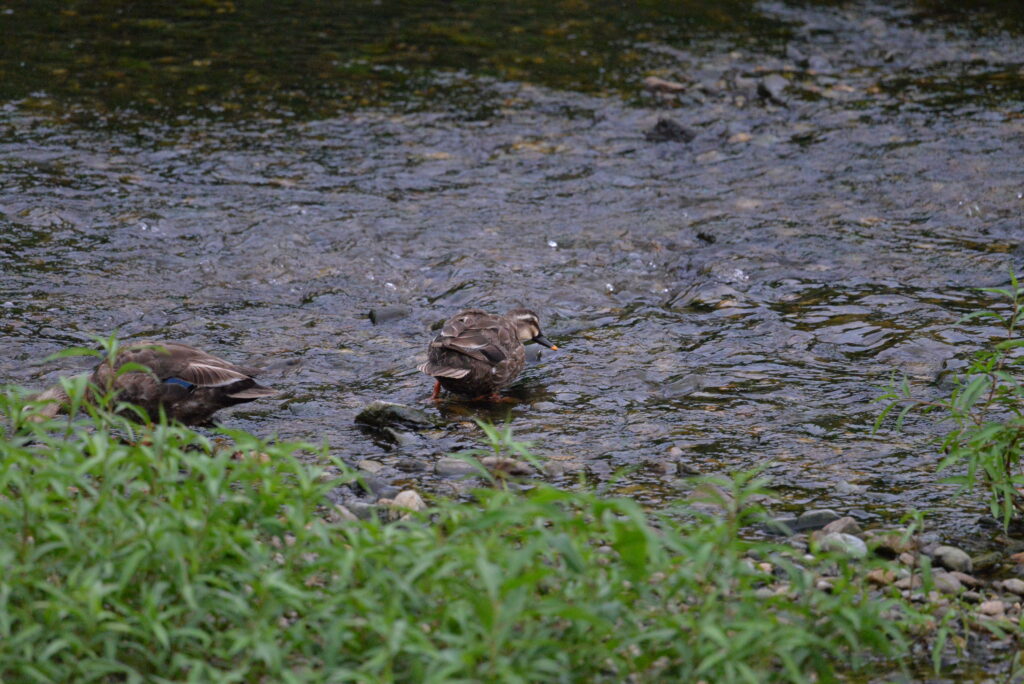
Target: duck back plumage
[
  {"x": 475, "y": 354},
  {"x": 187, "y": 384}
]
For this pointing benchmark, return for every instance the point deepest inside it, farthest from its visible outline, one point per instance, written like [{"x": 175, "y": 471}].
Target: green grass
[{"x": 155, "y": 554}]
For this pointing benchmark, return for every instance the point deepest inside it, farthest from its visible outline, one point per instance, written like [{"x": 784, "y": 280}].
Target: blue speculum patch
[{"x": 178, "y": 381}]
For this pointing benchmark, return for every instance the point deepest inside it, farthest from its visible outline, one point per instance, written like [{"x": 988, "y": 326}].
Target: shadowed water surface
[{"x": 723, "y": 303}]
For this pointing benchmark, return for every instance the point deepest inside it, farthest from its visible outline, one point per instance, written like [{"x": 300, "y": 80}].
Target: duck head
[{"x": 528, "y": 327}]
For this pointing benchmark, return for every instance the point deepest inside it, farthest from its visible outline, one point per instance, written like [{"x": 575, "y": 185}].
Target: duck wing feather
[{"x": 172, "y": 360}]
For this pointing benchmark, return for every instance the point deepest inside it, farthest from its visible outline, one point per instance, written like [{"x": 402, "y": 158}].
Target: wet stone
[
  {"x": 661, "y": 85},
  {"x": 912, "y": 582},
  {"x": 952, "y": 558},
  {"x": 554, "y": 469},
  {"x": 773, "y": 87},
  {"x": 369, "y": 466},
  {"x": 783, "y": 525},
  {"x": 508, "y": 466},
  {"x": 667, "y": 130},
  {"x": 404, "y": 503},
  {"x": 891, "y": 544},
  {"x": 845, "y": 525},
  {"x": 844, "y": 487},
  {"x": 341, "y": 513},
  {"x": 881, "y": 577},
  {"x": 381, "y": 414},
  {"x": 363, "y": 510},
  {"x": 393, "y": 312},
  {"x": 819, "y": 64},
  {"x": 372, "y": 485},
  {"x": 986, "y": 561},
  {"x": 816, "y": 519},
  {"x": 1014, "y": 585},
  {"x": 847, "y": 544},
  {"x": 452, "y": 467},
  {"x": 794, "y": 55},
  {"x": 400, "y": 437},
  {"x": 967, "y": 580}
]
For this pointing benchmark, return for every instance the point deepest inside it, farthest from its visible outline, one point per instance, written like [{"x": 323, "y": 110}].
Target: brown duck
[
  {"x": 187, "y": 384},
  {"x": 478, "y": 353}
]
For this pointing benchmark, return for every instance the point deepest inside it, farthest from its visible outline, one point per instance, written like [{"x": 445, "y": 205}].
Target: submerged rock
[
  {"x": 773, "y": 87},
  {"x": 382, "y": 414},
  {"x": 384, "y": 314},
  {"x": 667, "y": 130}
]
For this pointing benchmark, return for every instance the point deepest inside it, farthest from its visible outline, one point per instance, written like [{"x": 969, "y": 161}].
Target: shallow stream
[{"x": 723, "y": 303}]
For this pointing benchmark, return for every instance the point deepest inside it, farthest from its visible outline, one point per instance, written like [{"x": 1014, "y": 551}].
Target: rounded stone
[
  {"x": 947, "y": 583},
  {"x": 452, "y": 467},
  {"x": 953, "y": 558},
  {"x": 1014, "y": 585},
  {"x": 848, "y": 544},
  {"x": 816, "y": 519}
]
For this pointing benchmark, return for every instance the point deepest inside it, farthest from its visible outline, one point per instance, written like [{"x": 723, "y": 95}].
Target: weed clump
[{"x": 154, "y": 553}]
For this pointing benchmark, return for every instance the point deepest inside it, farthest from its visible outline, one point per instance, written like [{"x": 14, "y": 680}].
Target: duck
[
  {"x": 478, "y": 353},
  {"x": 186, "y": 384}
]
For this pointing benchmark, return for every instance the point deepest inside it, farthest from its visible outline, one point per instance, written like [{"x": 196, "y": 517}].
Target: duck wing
[
  {"x": 478, "y": 335},
  {"x": 173, "y": 360},
  {"x": 472, "y": 341}
]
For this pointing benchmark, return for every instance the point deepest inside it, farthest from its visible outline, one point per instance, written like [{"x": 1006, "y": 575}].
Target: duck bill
[{"x": 540, "y": 339}]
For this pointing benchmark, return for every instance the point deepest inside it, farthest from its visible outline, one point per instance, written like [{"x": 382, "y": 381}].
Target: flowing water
[{"x": 729, "y": 302}]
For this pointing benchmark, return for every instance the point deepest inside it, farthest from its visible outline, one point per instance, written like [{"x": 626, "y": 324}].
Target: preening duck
[
  {"x": 187, "y": 384},
  {"x": 477, "y": 353}
]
